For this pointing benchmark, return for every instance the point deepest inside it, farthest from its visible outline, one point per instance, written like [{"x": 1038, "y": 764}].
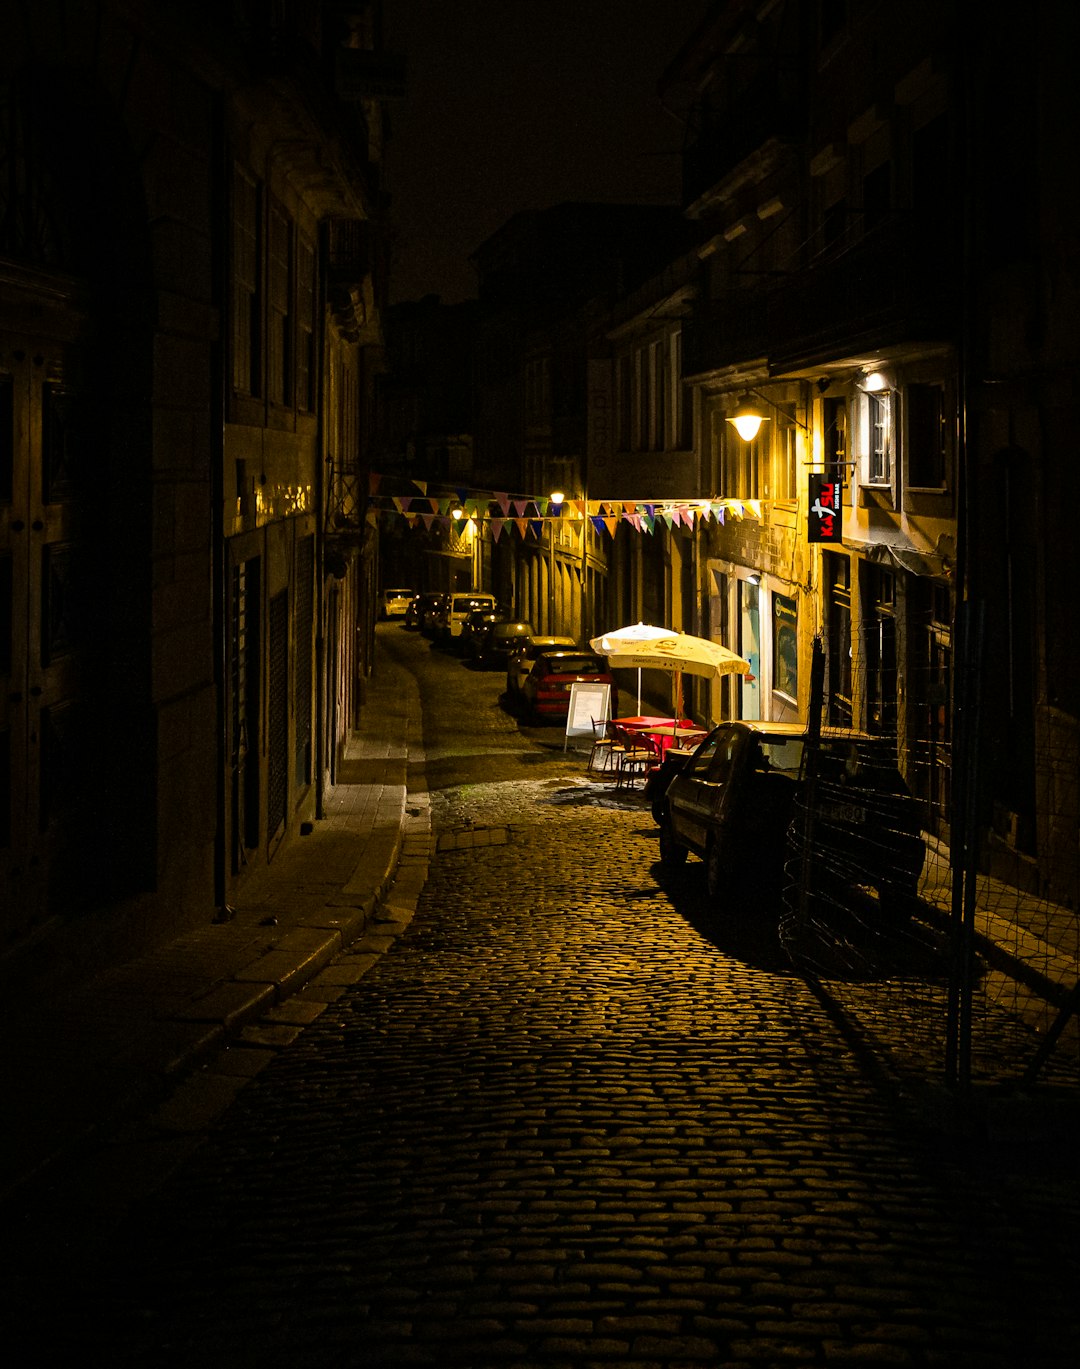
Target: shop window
[{"x": 785, "y": 647}]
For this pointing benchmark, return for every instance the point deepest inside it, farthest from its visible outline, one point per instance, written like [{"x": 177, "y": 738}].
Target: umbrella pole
[{"x": 639, "y": 692}]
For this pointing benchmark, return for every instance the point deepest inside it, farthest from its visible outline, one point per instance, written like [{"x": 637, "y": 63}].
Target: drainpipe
[
  {"x": 322, "y": 458},
  {"x": 219, "y": 239}
]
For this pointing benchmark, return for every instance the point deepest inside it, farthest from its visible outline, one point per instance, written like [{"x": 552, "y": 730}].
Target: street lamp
[
  {"x": 747, "y": 419},
  {"x": 555, "y": 499}
]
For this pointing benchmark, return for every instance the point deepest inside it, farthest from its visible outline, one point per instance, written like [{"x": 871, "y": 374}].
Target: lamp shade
[{"x": 747, "y": 419}]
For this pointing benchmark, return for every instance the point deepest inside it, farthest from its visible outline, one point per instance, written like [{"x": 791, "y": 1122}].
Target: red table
[{"x": 657, "y": 734}]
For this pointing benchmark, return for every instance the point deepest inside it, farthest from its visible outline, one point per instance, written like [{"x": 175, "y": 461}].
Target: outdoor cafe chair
[{"x": 606, "y": 748}]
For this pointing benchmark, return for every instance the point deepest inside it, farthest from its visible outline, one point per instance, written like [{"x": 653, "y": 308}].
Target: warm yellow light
[
  {"x": 747, "y": 419},
  {"x": 556, "y": 496},
  {"x": 874, "y": 382},
  {"x": 457, "y": 513}
]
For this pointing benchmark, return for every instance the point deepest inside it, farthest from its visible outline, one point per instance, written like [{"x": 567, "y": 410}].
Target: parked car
[
  {"x": 456, "y": 608},
  {"x": 520, "y": 663},
  {"x": 476, "y": 626},
  {"x": 493, "y": 645},
  {"x": 755, "y": 796},
  {"x": 395, "y": 603},
  {"x": 413, "y": 612},
  {"x": 545, "y": 690},
  {"x": 430, "y": 612}
]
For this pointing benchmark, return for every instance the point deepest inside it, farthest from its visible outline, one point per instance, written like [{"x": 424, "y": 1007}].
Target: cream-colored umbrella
[{"x": 654, "y": 648}]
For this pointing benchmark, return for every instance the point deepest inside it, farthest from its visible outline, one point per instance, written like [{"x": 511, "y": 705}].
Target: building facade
[{"x": 189, "y": 308}]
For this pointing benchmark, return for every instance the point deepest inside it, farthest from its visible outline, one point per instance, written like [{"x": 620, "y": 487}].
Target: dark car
[
  {"x": 493, "y": 645},
  {"x": 545, "y": 690},
  {"x": 476, "y": 626},
  {"x": 430, "y": 609},
  {"x": 761, "y": 805}
]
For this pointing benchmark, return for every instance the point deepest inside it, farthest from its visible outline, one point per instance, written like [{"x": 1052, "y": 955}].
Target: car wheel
[{"x": 671, "y": 853}]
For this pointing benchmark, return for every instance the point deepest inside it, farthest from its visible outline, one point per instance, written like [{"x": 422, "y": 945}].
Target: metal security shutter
[
  {"x": 278, "y": 718},
  {"x": 305, "y": 609}
]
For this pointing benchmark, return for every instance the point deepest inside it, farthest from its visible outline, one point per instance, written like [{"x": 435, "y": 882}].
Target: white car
[
  {"x": 457, "y": 609},
  {"x": 395, "y": 603}
]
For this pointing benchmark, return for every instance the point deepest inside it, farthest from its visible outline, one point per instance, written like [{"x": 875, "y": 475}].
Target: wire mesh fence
[{"x": 908, "y": 917}]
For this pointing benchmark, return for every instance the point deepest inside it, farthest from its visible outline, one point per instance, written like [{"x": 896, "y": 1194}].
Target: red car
[{"x": 545, "y": 690}]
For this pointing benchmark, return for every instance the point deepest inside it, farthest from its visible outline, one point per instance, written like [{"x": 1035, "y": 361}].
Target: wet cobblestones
[{"x": 567, "y": 1120}]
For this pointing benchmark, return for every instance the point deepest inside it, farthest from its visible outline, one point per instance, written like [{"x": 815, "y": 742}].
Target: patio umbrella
[{"x": 656, "y": 648}]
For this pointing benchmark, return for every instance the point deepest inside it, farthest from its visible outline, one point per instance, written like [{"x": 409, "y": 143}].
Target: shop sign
[{"x": 825, "y": 522}]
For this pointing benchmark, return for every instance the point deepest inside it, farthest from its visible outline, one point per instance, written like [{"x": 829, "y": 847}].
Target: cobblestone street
[{"x": 568, "y": 1119}]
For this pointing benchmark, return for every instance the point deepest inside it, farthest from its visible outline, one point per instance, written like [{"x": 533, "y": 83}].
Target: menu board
[{"x": 588, "y": 700}]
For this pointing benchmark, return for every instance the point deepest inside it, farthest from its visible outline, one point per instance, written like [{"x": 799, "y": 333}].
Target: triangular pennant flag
[
  {"x": 522, "y": 525},
  {"x": 611, "y": 524},
  {"x": 648, "y": 520},
  {"x": 671, "y": 519},
  {"x": 537, "y": 526},
  {"x": 519, "y": 506},
  {"x": 735, "y": 507},
  {"x": 496, "y": 526},
  {"x": 428, "y": 519},
  {"x": 629, "y": 506},
  {"x": 434, "y": 505},
  {"x": 597, "y": 522},
  {"x": 579, "y": 506},
  {"x": 421, "y": 485},
  {"x": 754, "y": 507},
  {"x": 399, "y": 503},
  {"x": 372, "y": 518}
]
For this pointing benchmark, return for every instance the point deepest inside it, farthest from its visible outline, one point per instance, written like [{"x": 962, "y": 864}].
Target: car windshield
[
  {"x": 560, "y": 663},
  {"x": 466, "y": 605},
  {"x": 512, "y": 630}
]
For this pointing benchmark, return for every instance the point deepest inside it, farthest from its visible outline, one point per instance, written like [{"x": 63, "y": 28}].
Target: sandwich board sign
[{"x": 588, "y": 700}]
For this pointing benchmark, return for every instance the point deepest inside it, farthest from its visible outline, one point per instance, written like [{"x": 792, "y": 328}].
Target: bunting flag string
[{"x": 530, "y": 515}]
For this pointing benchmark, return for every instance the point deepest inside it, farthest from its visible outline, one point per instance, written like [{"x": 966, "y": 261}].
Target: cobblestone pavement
[{"x": 567, "y": 1120}]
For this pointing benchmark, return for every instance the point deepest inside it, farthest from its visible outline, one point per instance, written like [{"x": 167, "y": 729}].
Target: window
[
  {"x": 834, "y": 225},
  {"x": 279, "y": 293},
  {"x": 679, "y": 407},
  {"x": 924, "y": 407},
  {"x": 305, "y": 326},
  {"x": 879, "y": 444},
  {"x": 877, "y": 196},
  {"x": 785, "y": 475},
  {"x": 246, "y": 294},
  {"x": 626, "y": 403},
  {"x": 741, "y": 464},
  {"x": 659, "y": 435}
]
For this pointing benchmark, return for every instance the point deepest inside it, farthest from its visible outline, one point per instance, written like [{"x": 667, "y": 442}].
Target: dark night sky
[{"x": 521, "y": 104}]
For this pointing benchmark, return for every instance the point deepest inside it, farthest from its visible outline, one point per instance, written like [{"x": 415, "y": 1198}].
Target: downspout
[
  {"x": 321, "y": 459},
  {"x": 219, "y": 239}
]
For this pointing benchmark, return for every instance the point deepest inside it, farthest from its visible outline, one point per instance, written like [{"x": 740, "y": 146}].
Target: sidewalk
[{"x": 78, "y": 1065}]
